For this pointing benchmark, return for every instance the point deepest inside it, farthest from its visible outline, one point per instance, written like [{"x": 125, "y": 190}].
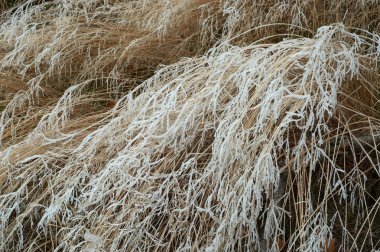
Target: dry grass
[{"x": 189, "y": 125}]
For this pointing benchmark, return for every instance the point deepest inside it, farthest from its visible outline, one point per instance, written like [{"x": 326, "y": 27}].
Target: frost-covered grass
[{"x": 189, "y": 125}]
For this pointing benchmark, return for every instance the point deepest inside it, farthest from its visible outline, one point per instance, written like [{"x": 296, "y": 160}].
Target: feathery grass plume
[
  {"x": 270, "y": 135},
  {"x": 194, "y": 157},
  {"x": 55, "y": 44}
]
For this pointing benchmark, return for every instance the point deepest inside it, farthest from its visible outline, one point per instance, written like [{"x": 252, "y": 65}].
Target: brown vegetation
[{"x": 189, "y": 125}]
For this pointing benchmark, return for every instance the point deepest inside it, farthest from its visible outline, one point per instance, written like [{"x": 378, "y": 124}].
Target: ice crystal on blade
[{"x": 226, "y": 125}]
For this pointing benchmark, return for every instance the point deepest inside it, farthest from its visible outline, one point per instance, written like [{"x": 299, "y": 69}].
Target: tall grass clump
[{"x": 189, "y": 125}]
